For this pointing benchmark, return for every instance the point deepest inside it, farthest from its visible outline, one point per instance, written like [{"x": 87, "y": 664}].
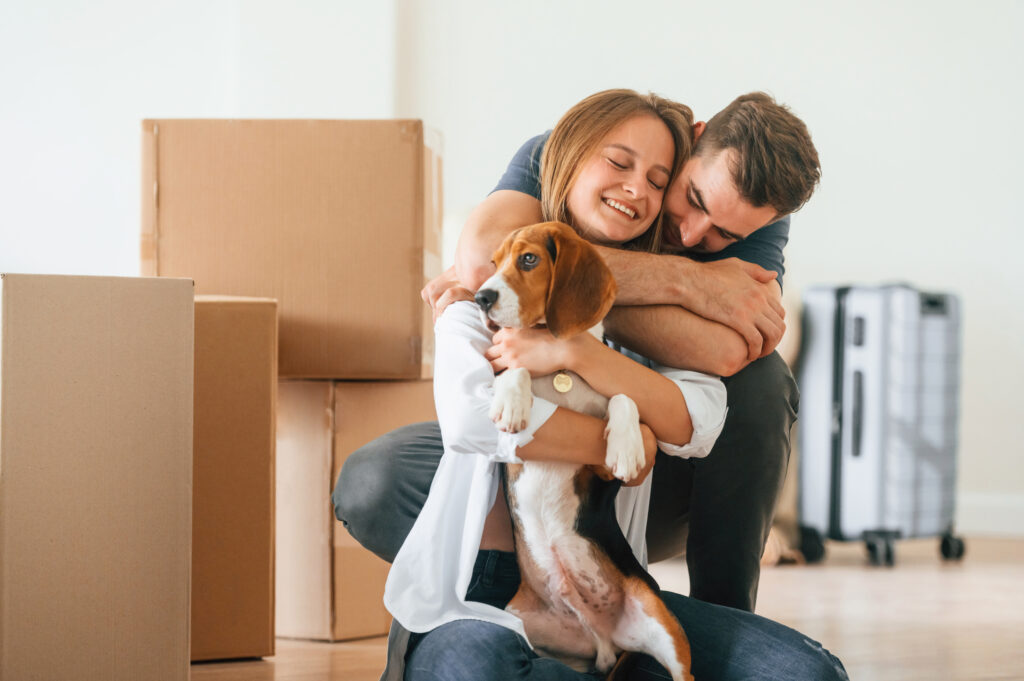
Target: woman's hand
[
  {"x": 443, "y": 290},
  {"x": 535, "y": 350}
]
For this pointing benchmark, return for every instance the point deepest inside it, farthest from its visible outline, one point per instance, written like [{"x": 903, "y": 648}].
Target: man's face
[{"x": 703, "y": 209}]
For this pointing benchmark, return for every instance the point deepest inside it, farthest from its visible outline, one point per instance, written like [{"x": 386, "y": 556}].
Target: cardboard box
[
  {"x": 95, "y": 478},
  {"x": 340, "y": 221},
  {"x": 328, "y": 586},
  {"x": 233, "y": 478}
]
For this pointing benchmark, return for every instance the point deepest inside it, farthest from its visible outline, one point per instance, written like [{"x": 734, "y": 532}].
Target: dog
[{"x": 583, "y": 598}]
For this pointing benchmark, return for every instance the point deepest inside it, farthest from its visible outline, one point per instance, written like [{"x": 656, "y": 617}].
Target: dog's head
[{"x": 547, "y": 274}]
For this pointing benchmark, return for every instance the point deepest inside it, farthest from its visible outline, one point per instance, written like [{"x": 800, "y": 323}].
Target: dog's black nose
[{"x": 485, "y": 298}]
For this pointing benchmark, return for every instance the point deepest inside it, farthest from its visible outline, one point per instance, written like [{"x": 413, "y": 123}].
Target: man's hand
[
  {"x": 744, "y": 297},
  {"x": 442, "y": 291}
]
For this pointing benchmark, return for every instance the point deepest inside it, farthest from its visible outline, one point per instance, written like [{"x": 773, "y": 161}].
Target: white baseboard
[{"x": 990, "y": 514}]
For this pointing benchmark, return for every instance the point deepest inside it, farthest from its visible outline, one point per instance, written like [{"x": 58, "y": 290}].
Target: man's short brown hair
[{"x": 776, "y": 164}]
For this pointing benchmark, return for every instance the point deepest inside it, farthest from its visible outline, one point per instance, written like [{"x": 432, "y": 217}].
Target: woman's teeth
[{"x": 621, "y": 208}]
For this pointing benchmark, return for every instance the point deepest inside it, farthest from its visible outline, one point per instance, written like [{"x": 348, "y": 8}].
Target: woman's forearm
[
  {"x": 568, "y": 436},
  {"x": 660, "y": 402}
]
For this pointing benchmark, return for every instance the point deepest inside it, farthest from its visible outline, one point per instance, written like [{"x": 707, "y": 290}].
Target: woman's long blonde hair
[{"x": 582, "y": 128}]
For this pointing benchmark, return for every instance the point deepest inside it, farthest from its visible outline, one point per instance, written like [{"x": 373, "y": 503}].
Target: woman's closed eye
[
  {"x": 627, "y": 165},
  {"x": 617, "y": 164}
]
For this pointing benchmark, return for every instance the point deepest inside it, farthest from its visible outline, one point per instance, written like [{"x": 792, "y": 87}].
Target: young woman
[{"x": 605, "y": 169}]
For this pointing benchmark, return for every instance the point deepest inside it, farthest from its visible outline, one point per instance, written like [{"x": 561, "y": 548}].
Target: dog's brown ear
[{"x": 582, "y": 287}]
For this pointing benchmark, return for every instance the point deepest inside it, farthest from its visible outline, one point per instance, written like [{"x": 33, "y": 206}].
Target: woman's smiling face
[{"x": 620, "y": 187}]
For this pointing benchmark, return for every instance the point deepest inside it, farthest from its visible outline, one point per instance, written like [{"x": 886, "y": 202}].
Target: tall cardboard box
[
  {"x": 340, "y": 221},
  {"x": 95, "y": 478},
  {"x": 328, "y": 586},
  {"x": 233, "y": 478}
]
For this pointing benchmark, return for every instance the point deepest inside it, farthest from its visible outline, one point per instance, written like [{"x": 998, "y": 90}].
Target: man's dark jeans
[{"x": 717, "y": 510}]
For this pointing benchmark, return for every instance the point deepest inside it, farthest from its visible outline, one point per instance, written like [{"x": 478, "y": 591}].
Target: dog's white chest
[{"x": 547, "y": 505}]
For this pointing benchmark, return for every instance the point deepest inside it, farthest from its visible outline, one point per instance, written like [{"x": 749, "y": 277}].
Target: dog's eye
[{"x": 527, "y": 261}]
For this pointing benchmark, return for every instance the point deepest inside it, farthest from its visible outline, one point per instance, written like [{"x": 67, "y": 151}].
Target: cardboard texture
[
  {"x": 340, "y": 221},
  {"x": 328, "y": 586},
  {"x": 95, "y": 478},
  {"x": 233, "y": 478}
]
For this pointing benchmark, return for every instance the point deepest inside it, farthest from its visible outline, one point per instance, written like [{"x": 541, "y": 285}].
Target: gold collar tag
[{"x": 562, "y": 382}]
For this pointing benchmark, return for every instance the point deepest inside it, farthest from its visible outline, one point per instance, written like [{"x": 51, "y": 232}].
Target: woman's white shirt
[{"x": 430, "y": 575}]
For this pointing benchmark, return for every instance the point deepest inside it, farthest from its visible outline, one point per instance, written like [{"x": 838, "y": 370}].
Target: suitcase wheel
[
  {"x": 952, "y": 547},
  {"x": 880, "y": 549},
  {"x": 812, "y": 544}
]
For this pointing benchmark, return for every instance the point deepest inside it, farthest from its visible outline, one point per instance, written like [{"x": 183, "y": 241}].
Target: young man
[{"x": 716, "y": 310}]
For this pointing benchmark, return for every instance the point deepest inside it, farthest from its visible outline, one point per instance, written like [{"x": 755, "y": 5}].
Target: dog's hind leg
[{"x": 648, "y": 626}]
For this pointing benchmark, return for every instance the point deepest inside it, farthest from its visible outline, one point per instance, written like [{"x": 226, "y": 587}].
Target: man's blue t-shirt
[{"x": 763, "y": 247}]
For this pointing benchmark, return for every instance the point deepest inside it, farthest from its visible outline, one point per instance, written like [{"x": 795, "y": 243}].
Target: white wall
[
  {"x": 77, "y": 77},
  {"x": 913, "y": 107}
]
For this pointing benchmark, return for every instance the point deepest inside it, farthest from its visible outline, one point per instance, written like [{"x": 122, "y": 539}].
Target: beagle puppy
[{"x": 584, "y": 598}]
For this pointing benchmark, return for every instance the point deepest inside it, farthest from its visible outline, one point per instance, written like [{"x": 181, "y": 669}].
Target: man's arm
[
  {"x": 673, "y": 336},
  {"x": 494, "y": 218},
  {"x": 737, "y": 295}
]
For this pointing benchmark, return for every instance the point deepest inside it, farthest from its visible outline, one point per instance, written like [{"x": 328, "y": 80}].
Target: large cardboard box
[
  {"x": 340, "y": 221},
  {"x": 95, "y": 478},
  {"x": 328, "y": 586},
  {"x": 233, "y": 478}
]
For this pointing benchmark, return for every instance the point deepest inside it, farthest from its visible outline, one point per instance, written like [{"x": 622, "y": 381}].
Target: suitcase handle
[
  {"x": 933, "y": 303},
  {"x": 858, "y": 409}
]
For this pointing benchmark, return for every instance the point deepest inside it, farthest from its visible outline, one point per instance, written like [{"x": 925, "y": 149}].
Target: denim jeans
[{"x": 726, "y": 644}]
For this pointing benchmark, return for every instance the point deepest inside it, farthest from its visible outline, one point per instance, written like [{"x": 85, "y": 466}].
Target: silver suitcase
[{"x": 879, "y": 384}]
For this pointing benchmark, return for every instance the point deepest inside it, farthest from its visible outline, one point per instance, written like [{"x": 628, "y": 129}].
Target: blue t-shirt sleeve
[
  {"x": 523, "y": 172},
  {"x": 763, "y": 247}
]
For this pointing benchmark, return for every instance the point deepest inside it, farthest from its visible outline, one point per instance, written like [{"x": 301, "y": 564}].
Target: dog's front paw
[
  {"x": 624, "y": 456},
  {"x": 513, "y": 399}
]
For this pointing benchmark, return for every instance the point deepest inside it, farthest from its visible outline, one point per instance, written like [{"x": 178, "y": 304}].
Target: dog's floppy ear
[{"x": 582, "y": 287}]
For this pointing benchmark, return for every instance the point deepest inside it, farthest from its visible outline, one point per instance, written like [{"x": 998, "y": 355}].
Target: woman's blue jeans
[{"x": 726, "y": 644}]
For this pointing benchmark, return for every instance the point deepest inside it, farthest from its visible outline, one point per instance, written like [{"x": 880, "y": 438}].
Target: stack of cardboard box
[{"x": 340, "y": 223}]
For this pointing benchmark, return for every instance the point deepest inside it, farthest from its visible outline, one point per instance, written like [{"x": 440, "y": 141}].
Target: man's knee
[
  {"x": 362, "y": 483},
  {"x": 763, "y": 401},
  {"x": 764, "y": 393},
  {"x": 382, "y": 486}
]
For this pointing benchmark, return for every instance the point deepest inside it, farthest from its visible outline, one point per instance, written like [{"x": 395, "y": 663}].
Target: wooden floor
[{"x": 921, "y": 620}]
